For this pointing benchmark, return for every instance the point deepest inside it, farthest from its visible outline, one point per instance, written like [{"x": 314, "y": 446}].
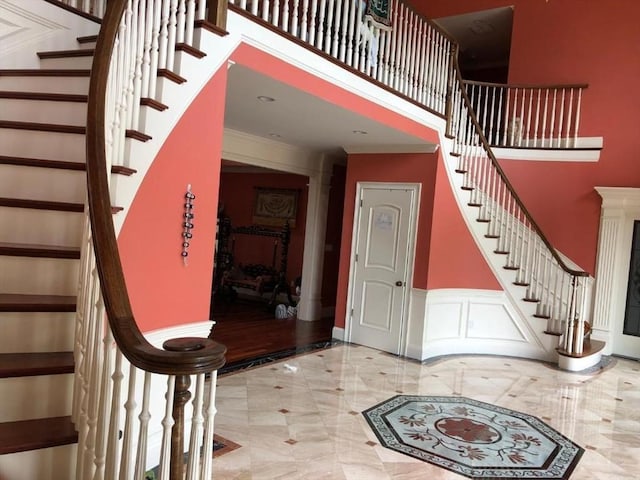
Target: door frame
[{"x": 415, "y": 188}]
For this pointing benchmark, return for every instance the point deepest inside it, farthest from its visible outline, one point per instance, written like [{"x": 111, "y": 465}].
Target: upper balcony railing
[{"x": 527, "y": 116}]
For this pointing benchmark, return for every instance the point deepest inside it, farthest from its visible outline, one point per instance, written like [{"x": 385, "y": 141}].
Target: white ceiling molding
[{"x": 391, "y": 149}]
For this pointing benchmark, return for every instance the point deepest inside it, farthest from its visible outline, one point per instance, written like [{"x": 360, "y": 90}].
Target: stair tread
[
  {"x": 41, "y": 204},
  {"x": 39, "y": 363},
  {"x": 16, "y": 302},
  {"x": 591, "y": 347},
  {"x": 44, "y": 72},
  {"x": 80, "y": 52},
  {"x": 44, "y": 96},
  {"x": 35, "y": 250},
  {"x": 33, "y": 434},
  {"x": 59, "y": 164},
  {"x": 43, "y": 127}
]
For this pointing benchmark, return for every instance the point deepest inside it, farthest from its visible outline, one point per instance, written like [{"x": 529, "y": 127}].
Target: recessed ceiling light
[
  {"x": 359, "y": 132},
  {"x": 264, "y": 98},
  {"x": 274, "y": 135}
]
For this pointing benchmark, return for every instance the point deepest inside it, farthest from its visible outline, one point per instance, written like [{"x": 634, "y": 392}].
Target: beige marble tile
[{"x": 304, "y": 421}]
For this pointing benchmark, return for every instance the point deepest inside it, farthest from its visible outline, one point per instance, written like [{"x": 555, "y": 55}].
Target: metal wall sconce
[{"x": 187, "y": 223}]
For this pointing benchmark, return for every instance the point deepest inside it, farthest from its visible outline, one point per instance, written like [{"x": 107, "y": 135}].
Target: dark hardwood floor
[{"x": 250, "y": 331}]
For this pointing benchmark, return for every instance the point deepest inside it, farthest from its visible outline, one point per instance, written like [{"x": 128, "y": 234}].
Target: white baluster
[
  {"x": 304, "y": 24},
  {"x": 312, "y": 24},
  {"x": 329, "y": 27},
  {"x": 202, "y": 8},
  {"x": 254, "y": 7},
  {"x": 554, "y": 106},
  {"x": 321, "y": 25},
  {"x": 172, "y": 34},
  {"x": 143, "y": 427},
  {"x": 536, "y": 139},
  {"x": 181, "y": 21},
  {"x": 210, "y": 413},
  {"x": 338, "y": 36},
  {"x": 529, "y": 112},
  {"x": 569, "y": 119},
  {"x": 113, "y": 458},
  {"x": 163, "y": 38},
  {"x": 265, "y": 10},
  {"x": 191, "y": 13},
  {"x": 104, "y": 402},
  {"x": 127, "y": 452},
  {"x": 195, "y": 439},
  {"x": 294, "y": 17},
  {"x": 156, "y": 48},
  {"x": 167, "y": 424},
  {"x": 577, "y": 125}
]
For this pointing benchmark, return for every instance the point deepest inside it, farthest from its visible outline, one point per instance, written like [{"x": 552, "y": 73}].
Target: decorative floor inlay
[{"x": 473, "y": 438}]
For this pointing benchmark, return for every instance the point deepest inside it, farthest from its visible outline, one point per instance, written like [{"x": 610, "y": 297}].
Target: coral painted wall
[
  {"x": 573, "y": 41},
  {"x": 164, "y": 292},
  {"x": 441, "y": 230},
  {"x": 237, "y": 194}
]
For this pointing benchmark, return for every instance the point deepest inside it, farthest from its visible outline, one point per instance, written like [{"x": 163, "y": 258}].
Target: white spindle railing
[
  {"x": 561, "y": 293},
  {"x": 92, "y": 7},
  {"x": 527, "y": 116},
  {"x": 411, "y": 56}
]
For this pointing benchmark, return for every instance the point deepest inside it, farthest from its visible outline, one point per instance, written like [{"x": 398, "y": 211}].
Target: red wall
[
  {"x": 237, "y": 194},
  {"x": 573, "y": 41},
  {"x": 446, "y": 255},
  {"x": 164, "y": 292}
]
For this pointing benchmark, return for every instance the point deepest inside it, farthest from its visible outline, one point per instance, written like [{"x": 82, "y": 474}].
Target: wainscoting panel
[{"x": 457, "y": 321}]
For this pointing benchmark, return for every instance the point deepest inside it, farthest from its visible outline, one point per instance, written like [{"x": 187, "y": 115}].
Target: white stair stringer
[{"x": 545, "y": 343}]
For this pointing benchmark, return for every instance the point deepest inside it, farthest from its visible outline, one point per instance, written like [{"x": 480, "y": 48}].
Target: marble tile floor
[{"x": 300, "y": 418}]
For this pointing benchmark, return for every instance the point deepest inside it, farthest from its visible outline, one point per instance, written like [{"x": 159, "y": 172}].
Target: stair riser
[
  {"x": 42, "y": 111},
  {"x": 48, "y": 145},
  {"x": 41, "y": 226},
  {"x": 42, "y": 184},
  {"x": 42, "y": 276},
  {"x": 50, "y": 84},
  {"x": 48, "y": 332},
  {"x": 44, "y": 464},
  {"x": 66, "y": 62},
  {"x": 24, "y": 398}
]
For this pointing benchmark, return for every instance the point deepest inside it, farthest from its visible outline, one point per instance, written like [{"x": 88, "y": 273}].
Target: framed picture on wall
[{"x": 274, "y": 206}]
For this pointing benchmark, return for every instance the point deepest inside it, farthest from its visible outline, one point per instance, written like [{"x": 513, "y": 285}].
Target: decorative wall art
[{"x": 275, "y": 206}]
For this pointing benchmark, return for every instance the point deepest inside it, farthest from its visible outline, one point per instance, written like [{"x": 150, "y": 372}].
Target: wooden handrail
[
  {"x": 505, "y": 179},
  {"x": 207, "y": 355},
  {"x": 526, "y": 85}
]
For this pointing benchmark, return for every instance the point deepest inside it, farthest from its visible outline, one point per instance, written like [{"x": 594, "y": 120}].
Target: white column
[
  {"x": 310, "y": 304},
  {"x": 620, "y": 207}
]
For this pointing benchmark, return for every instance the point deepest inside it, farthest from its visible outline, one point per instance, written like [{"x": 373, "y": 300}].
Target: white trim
[
  {"x": 620, "y": 209},
  {"x": 586, "y": 149},
  {"x": 196, "y": 329},
  {"x": 338, "y": 333},
  {"x": 392, "y": 149},
  {"x": 416, "y": 189},
  {"x": 573, "y": 364}
]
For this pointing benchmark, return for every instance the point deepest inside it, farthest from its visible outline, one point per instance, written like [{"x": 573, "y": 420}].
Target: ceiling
[
  {"x": 301, "y": 119},
  {"x": 298, "y": 118}
]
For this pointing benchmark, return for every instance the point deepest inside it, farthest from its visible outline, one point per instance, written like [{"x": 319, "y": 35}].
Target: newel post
[
  {"x": 181, "y": 395},
  {"x": 217, "y": 13}
]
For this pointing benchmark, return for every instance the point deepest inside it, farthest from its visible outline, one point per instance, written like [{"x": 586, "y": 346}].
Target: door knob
[{"x": 399, "y": 283}]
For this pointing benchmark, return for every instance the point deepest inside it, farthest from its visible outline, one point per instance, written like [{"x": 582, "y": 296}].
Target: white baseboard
[{"x": 338, "y": 333}]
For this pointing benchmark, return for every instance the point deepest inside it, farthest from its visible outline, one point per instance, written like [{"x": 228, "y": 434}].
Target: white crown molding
[
  {"x": 391, "y": 149},
  {"x": 619, "y": 197}
]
